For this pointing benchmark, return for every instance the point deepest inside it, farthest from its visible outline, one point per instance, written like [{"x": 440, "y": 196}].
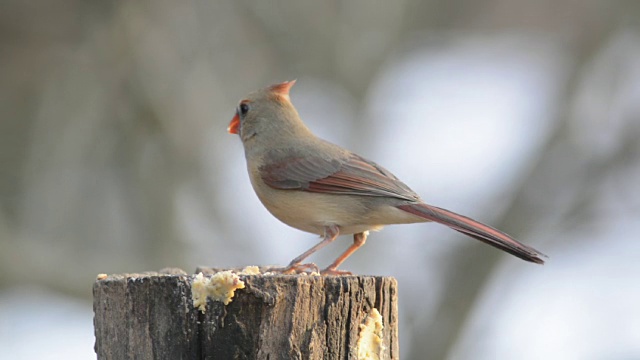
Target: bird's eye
[{"x": 244, "y": 109}]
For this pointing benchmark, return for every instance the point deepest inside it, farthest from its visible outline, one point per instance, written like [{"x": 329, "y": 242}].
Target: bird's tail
[{"x": 476, "y": 230}]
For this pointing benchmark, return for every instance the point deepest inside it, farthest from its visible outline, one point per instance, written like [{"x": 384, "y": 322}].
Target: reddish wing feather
[
  {"x": 353, "y": 175},
  {"x": 295, "y": 172}
]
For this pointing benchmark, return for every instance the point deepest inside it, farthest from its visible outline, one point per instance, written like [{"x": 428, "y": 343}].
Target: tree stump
[{"x": 152, "y": 316}]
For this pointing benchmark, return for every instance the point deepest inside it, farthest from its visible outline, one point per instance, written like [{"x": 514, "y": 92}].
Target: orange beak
[{"x": 234, "y": 125}]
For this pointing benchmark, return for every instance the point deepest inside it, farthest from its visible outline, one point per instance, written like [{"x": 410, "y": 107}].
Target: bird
[{"x": 321, "y": 188}]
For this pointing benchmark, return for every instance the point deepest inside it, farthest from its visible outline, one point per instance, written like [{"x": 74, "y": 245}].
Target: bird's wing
[{"x": 352, "y": 175}]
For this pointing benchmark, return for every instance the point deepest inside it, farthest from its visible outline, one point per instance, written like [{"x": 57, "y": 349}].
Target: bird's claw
[
  {"x": 334, "y": 272},
  {"x": 308, "y": 268}
]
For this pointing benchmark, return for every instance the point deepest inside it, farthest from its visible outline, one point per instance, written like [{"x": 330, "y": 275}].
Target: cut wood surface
[{"x": 151, "y": 316}]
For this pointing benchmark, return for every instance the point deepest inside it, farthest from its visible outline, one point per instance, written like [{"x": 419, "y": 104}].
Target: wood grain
[{"x": 151, "y": 316}]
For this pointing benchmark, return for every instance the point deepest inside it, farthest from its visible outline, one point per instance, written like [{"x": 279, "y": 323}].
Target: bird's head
[{"x": 267, "y": 114}]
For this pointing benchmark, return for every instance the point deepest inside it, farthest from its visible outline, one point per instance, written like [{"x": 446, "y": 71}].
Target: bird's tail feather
[{"x": 476, "y": 230}]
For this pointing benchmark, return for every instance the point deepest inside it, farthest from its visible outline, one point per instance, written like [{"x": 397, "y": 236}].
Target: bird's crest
[{"x": 282, "y": 89}]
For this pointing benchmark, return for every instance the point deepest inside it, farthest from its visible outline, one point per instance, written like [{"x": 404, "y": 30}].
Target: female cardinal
[{"x": 321, "y": 188}]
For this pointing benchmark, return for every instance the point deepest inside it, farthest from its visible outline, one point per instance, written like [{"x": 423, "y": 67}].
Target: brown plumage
[{"x": 318, "y": 187}]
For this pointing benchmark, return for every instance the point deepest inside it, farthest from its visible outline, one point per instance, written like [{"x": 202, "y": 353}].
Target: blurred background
[{"x": 114, "y": 157}]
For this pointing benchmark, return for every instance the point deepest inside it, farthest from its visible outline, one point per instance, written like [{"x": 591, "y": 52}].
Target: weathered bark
[{"x": 151, "y": 316}]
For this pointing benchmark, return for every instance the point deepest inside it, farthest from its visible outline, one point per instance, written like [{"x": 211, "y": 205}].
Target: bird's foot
[
  {"x": 308, "y": 268},
  {"x": 334, "y": 272}
]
